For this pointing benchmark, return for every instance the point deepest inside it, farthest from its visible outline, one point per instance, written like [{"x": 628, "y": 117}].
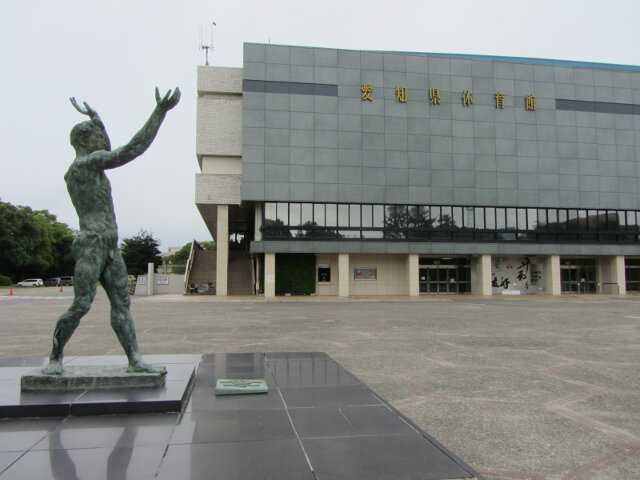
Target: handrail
[{"x": 189, "y": 265}]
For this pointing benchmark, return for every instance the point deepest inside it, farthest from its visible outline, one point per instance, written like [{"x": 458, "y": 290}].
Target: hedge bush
[
  {"x": 5, "y": 281},
  {"x": 295, "y": 273}
]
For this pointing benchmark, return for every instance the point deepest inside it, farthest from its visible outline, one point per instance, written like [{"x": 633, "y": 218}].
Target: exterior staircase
[
  {"x": 239, "y": 279},
  {"x": 203, "y": 270}
]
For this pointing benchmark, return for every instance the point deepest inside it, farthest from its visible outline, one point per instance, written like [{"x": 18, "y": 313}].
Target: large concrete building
[{"x": 411, "y": 173}]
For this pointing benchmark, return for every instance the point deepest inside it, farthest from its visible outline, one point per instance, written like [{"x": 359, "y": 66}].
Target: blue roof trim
[
  {"x": 537, "y": 61},
  {"x": 497, "y": 58}
]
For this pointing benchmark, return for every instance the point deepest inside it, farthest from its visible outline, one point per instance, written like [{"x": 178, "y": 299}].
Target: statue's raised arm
[
  {"x": 167, "y": 102},
  {"x": 105, "y": 159}
]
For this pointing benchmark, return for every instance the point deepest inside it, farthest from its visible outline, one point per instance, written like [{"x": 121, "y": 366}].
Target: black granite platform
[
  {"x": 171, "y": 397},
  {"x": 316, "y": 422}
]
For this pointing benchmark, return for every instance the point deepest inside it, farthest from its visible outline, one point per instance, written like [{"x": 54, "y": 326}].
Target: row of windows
[{"x": 445, "y": 222}]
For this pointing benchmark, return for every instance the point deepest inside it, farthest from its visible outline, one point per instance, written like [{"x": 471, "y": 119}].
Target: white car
[{"x": 31, "y": 282}]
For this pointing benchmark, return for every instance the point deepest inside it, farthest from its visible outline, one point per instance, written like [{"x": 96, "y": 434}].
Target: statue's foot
[
  {"x": 54, "y": 368},
  {"x": 138, "y": 366}
]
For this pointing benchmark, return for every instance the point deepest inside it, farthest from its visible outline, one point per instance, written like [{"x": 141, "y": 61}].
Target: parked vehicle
[
  {"x": 66, "y": 281},
  {"x": 52, "y": 282},
  {"x": 31, "y": 282}
]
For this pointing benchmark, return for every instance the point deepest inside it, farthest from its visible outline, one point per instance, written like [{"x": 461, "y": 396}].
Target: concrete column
[
  {"x": 413, "y": 273},
  {"x": 621, "y": 274},
  {"x": 344, "y": 276},
  {"x": 269, "y": 275},
  {"x": 610, "y": 272},
  {"x": 257, "y": 234},
  {"x": 257, "y": 257},
  {"x": 552, "y": 275},
  {"x": 483, "y": 276},
  {"x": 222, "y": 250},
  {"x": 151, "y": 280}
]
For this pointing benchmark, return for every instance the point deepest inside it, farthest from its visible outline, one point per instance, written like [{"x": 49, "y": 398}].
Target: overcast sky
[{"x": 113, "y": 53}]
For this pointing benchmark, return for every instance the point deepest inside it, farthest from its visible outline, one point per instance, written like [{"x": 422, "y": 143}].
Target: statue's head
[{"x": 89, "y": 137}]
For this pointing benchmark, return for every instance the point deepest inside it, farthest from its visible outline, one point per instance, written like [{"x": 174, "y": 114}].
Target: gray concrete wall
[
  {"x": 175, "y": 285},
  {"x": 335, "y": 147}
]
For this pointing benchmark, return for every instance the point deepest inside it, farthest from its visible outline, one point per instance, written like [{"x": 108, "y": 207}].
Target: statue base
[
  {"x": 118, "y": 398},
  {"x": 91, "y": 378}
]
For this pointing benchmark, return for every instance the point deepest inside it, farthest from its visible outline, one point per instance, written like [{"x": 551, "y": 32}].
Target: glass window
[
  {"x": 331, "y": 214},
  {"x": 631, "y": 221},
  {"x": 500, "y": 218},
  {"x": 562, "y": 219},
  {"x": 468, "y": 217},
  {"x": 622, "y": 219},
  {"x": 318, "y": 214},
  {"x": 378, "y": 216},
  {"x": 446, "y": 220},
  {"x": 427, "y": 216},
  {"x": 582, "y": 219},
  {"x": 511, "y": 218},
  {"x": 479, "y": 218},
  {"x": 307, "y": 213},
  {"x": 349, "y": 233},
  {"x": 283, "y": 213},
  {"x": 396, "y": 216},
  {"x": 269, "y": 212},
  {"x": 367, "y": 216},
  {"x": 422, "y": 220},
  {"x": 354, "y": 215},
  {"x": 522, "y": 218},
  {"x": 325, "y": 233},
  {"x": 435, "y": 216},
  {"x": 343, "y": 215},
  {"x": 390, "y": 218},
  {"x": 457, "y": 217},
  {"x": 602, "y": 220},
  {"x": 542, "y": 218},
  {"x": 372, "y": 234},
  {"x": 294, "y": 214},
  {"x": 592, "y": 219},
  {"x": 532, "y": 218},
  {"x": 490, "y": 218},
  {"x": 572, "y": 219},
  {"x": 324, "y": 273},
  {"x": 401, "y": 212},
  {"x": 415, "y": 217}
]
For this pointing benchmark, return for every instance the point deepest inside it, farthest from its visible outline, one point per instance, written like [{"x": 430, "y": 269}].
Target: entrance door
[
  {"x": 578, "y": 276},
  {"x": 443, "y": 279}
]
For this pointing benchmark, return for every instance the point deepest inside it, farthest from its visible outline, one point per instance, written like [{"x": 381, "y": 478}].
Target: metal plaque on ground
[{"x": 238, "y": 386}]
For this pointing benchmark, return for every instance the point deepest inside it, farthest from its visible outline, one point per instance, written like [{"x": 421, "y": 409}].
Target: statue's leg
[
  {"x": 114, "y": 281},
  {"x": 86, "y": 275}
]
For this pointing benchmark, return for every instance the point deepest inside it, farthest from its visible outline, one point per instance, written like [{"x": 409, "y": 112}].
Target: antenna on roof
[{"x": 207, "y": 46}]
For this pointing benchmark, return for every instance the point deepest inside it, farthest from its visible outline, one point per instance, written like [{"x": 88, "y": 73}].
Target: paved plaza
[{"x": 518, "y": 387}]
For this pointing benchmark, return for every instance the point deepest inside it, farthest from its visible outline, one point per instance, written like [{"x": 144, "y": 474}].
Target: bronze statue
[{"x": 96, "y": 247}]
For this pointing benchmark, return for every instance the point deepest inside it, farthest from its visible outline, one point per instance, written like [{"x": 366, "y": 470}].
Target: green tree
[
  {"x": 181, "y": 256},
  {"x": 62, "y": 237},
  {"x": 33, "y": 243},
  {"x": 210, "y": 245},
  {"x": 140, "y": 250},
  {"x": 179, "y": 259}
]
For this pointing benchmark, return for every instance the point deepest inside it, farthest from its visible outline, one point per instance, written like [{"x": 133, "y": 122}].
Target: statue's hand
[
  {"x": 87, "y": 110},
  {"x": 168, "y": 101}
]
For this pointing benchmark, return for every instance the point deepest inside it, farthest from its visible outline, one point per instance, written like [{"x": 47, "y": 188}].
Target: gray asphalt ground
[{"x": 518, "y": 387}]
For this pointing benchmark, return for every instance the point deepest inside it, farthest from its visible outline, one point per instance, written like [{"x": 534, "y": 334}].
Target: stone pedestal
[
  {"x": 96, "y": 385},
  {"x": 91, "y": 377}
]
